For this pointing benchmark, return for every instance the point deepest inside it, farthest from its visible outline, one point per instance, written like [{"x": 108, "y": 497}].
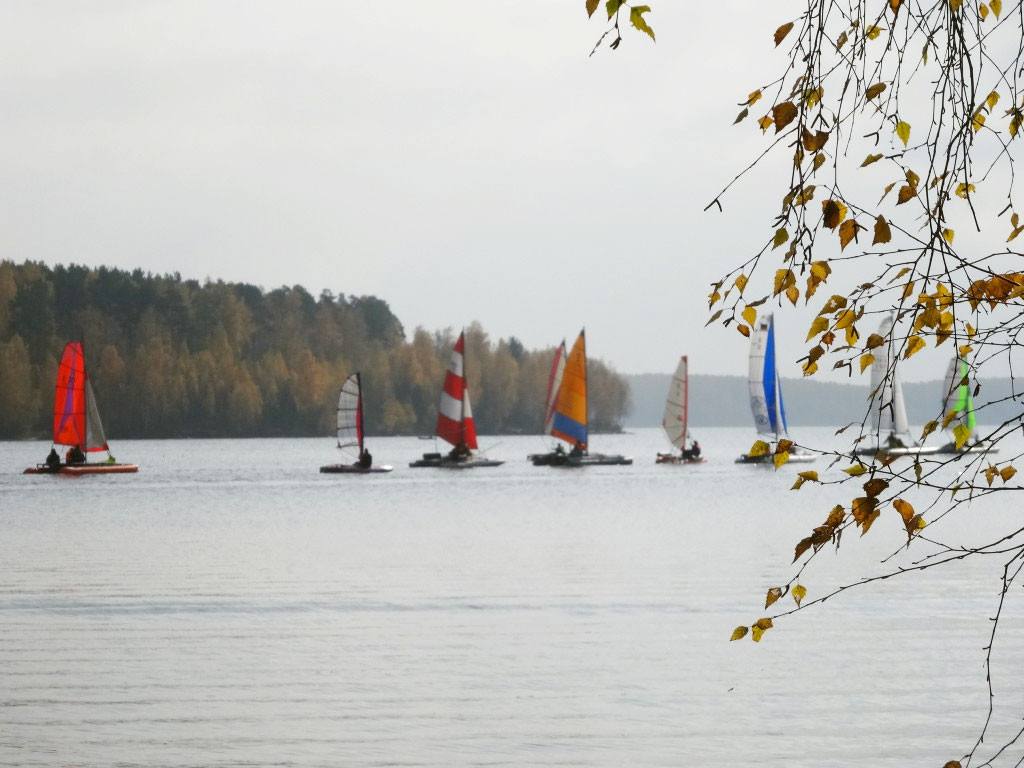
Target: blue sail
[{"x": 769, "y": 377}]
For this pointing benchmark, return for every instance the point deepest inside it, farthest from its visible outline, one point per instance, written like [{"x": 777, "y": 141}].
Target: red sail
[
  {"x": 455, "y": 414},
  {"x": 69, "y": 399}
]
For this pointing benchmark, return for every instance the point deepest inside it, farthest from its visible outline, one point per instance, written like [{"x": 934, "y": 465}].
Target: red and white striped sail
[
  {"x": 554, "y": 384},
  {"x": 455, "y": 414}
]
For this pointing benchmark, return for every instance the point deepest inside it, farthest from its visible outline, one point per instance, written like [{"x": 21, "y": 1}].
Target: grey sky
[{"x": 462, "y": 160}]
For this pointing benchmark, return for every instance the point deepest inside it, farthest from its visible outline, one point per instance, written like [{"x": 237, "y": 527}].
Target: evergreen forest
[{"x": 171, "y": 357}]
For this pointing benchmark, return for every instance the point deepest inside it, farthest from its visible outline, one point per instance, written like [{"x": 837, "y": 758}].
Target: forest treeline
[{"x": 170, "y": 357}]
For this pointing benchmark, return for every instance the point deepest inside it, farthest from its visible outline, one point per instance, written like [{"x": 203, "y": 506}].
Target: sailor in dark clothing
[
  {"x": 577, "y": 450},
  {"x": 53, "y": 459},
  {"x": 75, "y": 455},
  {"x": 365, "y": 459},
  {"x": 459, "y": 452},
  {"x": 693, "y": 452}
]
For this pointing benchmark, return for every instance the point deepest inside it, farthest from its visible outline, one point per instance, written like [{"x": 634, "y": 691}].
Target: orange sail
[{"x": 76, "y": 420}]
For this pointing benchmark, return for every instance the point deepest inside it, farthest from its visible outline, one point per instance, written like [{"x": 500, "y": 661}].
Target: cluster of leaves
[{"x": 172, "y": 357}]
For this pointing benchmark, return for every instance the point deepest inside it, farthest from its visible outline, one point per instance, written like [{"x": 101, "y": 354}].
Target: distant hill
[{"x": 722, "y": 401}]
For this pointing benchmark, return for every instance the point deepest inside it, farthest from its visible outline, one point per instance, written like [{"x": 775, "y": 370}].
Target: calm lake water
[{"x": 229, "y": 605}]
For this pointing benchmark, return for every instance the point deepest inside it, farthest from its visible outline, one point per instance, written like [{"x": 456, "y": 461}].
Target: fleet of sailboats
[
  {"x": 766, "y": 401},
  {"x": 78, "y": 427},
  {"x": 76, "y": 422},
  {"x": 569, "y": 417},
  {"x": 352, "y": 431}
]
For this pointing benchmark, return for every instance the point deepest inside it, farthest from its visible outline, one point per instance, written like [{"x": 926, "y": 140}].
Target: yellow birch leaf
[
  {"x": 846, "y": 319},
  {"x": 765, "y": 123},
  {"x": 883, "y": 234},
  {"x": 914, "y": 345},
  {"x": 799, "y": 592},
  {"x": 793, "y": 293},
  {"x": 963, "y": 190},
  {"x": 759, "y": 448},
  {"x": 739, "y": 633},
  {"x": 781, "y": 32},
  {"x": 993, "y": 98},
  {"x": 636, "y": 18},
  {"x": 947, "y": 235},
  {"x": 874, "y": 340},
  {"x": 750, "y": 315},
  {"x": 930, "y": 427},
  {"x": 865, "y": 361},
  {"x": 847, "y": 232},
  {"x": 779, "y": 459},
  {"x": 903, "y": 131},
  {"x": 752, "y": 98},
  {"x": 874, "y": 90},
  {"x": 855, "y": 470},
  {"x": 977, "y": 122},
  {"x": 961, "y": 434},
  {"x": 781, "y": 236},
  {"x": 873, "y": 32},
  {"x": 870, "y": 159},
  {"x": 906, "y": 193},
  {"x": 773, "y": 595},
  {"x": 996, "y": 6},
  {"x": 954, "y": 5},
  {"x": 841, "y": 40},
  {"x": 1007, "y": 472},
  {"x": 592, "y": 6},
  {"x": 744, "y": 331},
  {"x": 983, "y": 10},
  {"x": 740, "y": 282},
  {"x": 820, "y": 325},
  {"x": 783, "y": 114}
]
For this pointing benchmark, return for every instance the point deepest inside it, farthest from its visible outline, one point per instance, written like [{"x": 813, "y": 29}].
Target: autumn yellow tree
[{"x": 900, "y": 121}]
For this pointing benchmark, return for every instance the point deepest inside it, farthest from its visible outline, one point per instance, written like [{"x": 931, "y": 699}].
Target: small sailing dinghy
[
  {"x": 890, "y": 429},
  {"x": 351, "y": 424},
  {"x": 569, "y": 419},
  {"x": 766, "y": 403},
  {"x": 455, "y": 423},
  {"x": 551, "y": 400},
  {"x": 674, "y": 422},
  {"x": 76, "y": 423},
  {"x": 957, "y": 398}
]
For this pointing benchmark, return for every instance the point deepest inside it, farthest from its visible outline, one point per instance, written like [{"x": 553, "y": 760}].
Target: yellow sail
[{"x": 570, "y": 420}]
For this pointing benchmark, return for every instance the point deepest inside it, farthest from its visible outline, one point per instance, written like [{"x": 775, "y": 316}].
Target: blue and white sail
[{"x": 766, "y": 403}]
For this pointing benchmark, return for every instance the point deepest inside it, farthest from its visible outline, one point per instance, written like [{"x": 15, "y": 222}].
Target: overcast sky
[{"x": 462, "y": 160}]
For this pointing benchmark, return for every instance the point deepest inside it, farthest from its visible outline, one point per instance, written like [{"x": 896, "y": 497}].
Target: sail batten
[
  {"x": 455, "y": 422},
  {"x": 674, "y": 421},
  {"x": 570, "y": 421}
]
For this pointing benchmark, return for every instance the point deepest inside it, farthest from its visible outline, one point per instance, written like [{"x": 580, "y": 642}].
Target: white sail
[
  {"x": 755, "y": 380},
  {"x": 889, "y": 409},
  {"x": 95, "y": 439},
  {"x": 350, "y": 414},
  {"x": 674, "y": 421}
]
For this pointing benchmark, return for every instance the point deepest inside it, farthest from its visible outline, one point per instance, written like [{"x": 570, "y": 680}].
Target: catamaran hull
[
  {"x": 589, "y": 460},
  {"x": 767, "y": 458},
  {"x": 444, "y": 462},
  {"x": 671, "y": 458},
  {"x": 913, "y": 450},
  {"x": 79, "y": 470},
  {"x": 950, "y": 448},
  {"x": 351, "y": 469}
]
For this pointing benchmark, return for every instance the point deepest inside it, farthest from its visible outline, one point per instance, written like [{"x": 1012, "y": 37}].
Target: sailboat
[
  {"x": 351, "y": 431},
  {"x": 766, "y": 403},
  {"x": 675, "y": 419},
  {"x": 455, "y": 423},
  {"x": 76, "y": 422},
  {"x": 569, "y": 419},
  {"x": 890, "y": 428},
  {"x": 958, "y": 398},
  {"x": 551, "y": 399}
]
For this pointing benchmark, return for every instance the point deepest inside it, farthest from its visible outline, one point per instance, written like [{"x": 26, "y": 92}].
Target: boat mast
[{"x": 359, "y": 414}]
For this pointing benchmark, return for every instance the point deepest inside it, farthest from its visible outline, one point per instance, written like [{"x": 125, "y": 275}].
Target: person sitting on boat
[
  {"x": 365, "y": 459},
  {"x": 894, "y": 442},
  {"x": 75, "y": 455},
  {"x": 53, "y": 459},
  {"x": 459, "y": 453},
  {"x": 577, "y": 450},
  {"x": 693, "y": 452},
  {"x": 560, "y": 450}
]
